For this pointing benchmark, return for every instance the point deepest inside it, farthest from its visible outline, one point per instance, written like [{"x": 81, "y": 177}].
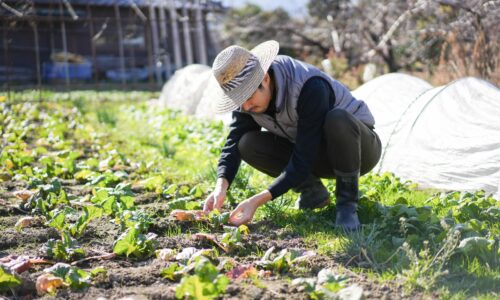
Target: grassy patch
[{"x": 437, "y": 244}]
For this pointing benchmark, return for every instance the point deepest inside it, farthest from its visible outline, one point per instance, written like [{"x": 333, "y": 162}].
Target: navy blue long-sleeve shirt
[{"x": 315, "y": 100}]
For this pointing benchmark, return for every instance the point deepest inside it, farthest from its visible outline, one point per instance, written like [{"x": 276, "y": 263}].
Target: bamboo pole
[
  {"x": 6, "y": 55},
  {"x": 65, "y": 46},
  {"x": 137, "y": 12},
  {"x": 51, "y": 29},
  {"x": 131, "y": 48},
  {"x": 120, "y": 42},
  {"x": 175, "y": 34},
  {"x": 11, "y": 10},
  {"x": 149, "y": 46},
  {"x": 37, "y": 55},
  {"x": 70, "y": 10},
  {"x": 187, "y": 34},
  {"x": 202, "y": 53},
  {"x": 90, "y": 19},
  {"x": 154, "y": 35},
  {"x": 164, "y": 39}
]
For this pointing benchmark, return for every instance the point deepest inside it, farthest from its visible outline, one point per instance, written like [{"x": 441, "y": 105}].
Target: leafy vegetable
[
  {"x": 66, "y": 249},
  {"x": 62, "y": 274},
  {"x": 170, "y": 272},
  {"x": 206, "y": 283},
  {"x": 7, "y": 280},
  {"x": 283, "y": 261},
  {"x": 134, "y": 244}
]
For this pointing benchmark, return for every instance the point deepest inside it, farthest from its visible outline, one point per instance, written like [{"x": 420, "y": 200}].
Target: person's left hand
[{"x": 244, "y": 212}]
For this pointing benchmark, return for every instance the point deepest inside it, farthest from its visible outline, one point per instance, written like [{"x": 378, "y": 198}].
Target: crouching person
[{"x": 315, "y": 129}]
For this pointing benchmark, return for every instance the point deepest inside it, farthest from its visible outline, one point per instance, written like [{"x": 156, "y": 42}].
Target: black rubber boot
[
  {"x": 347, "y": 201},
  {"x": 313, "y": 194}
]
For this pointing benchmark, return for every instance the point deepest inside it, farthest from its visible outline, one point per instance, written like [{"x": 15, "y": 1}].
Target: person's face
[{"x": 259, "y": 101}]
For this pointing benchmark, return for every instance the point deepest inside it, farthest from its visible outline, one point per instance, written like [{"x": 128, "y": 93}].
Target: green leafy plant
[
  {"x": 7, "y": 280},
  {"x": 206, "y": 283},
  {"x": 67, "y": 248},
  {"x": 324, "y": 286},
  {"x": 283, "y": 261},
  {"x": 76, "y": 278},
  {"x": 154, "y": 183},
  {"x": 172, "y": 272},
  {"x": 59, "y": 219},
  {"x": 218, "y": 219},
  {"x": 134, "y": 219},
  {"x": 115, "y": 200},
  {"x": 132, "y": 243},
  {"x": 231, "y": 239}
]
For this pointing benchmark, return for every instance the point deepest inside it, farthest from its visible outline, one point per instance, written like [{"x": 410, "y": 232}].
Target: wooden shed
[{"x": 96, "y": 41}]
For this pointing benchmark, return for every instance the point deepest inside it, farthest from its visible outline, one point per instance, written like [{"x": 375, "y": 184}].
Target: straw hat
[{"x": 239, "y": 73}]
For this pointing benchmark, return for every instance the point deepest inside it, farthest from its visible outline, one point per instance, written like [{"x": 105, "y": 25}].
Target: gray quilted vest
[{"x": 289, "y": 77}]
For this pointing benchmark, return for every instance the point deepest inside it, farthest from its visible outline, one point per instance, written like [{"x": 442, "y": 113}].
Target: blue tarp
[{"x": 57, "y": 70}]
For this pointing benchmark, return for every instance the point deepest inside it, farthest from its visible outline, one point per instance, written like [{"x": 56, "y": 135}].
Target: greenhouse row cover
[{"x": 445, "y": 137}]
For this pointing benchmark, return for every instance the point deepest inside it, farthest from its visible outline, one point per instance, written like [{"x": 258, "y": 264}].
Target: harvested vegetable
[
  {"x": 48, "y": 283},
  {"x": 24, "y": 195},
  {"x": 187, "y": 215}
]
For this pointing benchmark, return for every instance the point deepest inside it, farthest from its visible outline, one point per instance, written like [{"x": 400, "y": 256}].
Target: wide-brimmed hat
[{"x": 239, "y": 73}]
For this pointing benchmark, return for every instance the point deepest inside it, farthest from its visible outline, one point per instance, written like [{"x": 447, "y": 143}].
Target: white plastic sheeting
[
  {"x": 446, "y": 137},
  {"x": 184, "y": 90},
  {"x": 192, "y": 90}
]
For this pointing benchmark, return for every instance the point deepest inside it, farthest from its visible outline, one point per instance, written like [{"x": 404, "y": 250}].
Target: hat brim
[{"x": 265, "y": 52}]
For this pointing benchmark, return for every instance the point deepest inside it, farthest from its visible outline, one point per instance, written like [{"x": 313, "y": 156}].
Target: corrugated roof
[
  {"x": 98, "y": 2},
  {"x": 206, "y": 3}
]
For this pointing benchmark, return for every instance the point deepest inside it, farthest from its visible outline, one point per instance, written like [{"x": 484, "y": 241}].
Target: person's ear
[
  {"x": 265, "y": 82},
  {"x": 267, "y": 78}
]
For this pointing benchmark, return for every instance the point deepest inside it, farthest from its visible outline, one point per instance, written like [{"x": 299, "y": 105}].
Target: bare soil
[{"x": 142, "y": 279}]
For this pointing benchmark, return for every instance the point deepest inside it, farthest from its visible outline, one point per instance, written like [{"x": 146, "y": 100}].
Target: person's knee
[
  {"x": 338, "y": 120},
  {"x": 246, "y": 144}
]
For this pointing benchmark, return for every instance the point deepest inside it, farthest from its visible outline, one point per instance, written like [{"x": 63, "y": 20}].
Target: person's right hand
[{"x": 215, "y": 199}]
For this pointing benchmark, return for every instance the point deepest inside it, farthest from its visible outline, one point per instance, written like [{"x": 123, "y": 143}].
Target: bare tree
[
  {"x": 413, "y": 33},
  {"x": 250, "y": 25}
]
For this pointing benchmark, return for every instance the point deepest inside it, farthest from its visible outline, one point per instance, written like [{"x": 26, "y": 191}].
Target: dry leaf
[
  {"x": 16, "y": 263},
  {"x": 23, "y": 195},
  {"x": 186, "y": 253},
  {"x": 204, "y": 236},
  {"x": 242, "y": 271},
  {"x": 21, "y": 263},
  {"x": 24, "y": 222},
  {"x": 304, "y": 256},
  {"x": 265, "y": 273},
  {"x": 48, "y": 283},
  {"x": 165, "y": 254},
  {"x": 5, "y": 177},
  {"x": 210, "y": 237}
]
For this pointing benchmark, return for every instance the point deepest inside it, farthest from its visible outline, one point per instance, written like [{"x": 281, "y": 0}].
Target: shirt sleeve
[
  {"x": 230, "y": 158},
  {"x": 315, "y": 100}
]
